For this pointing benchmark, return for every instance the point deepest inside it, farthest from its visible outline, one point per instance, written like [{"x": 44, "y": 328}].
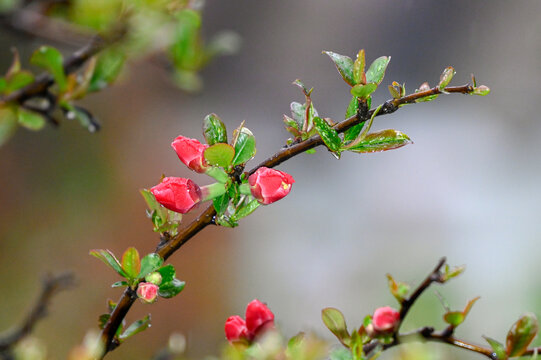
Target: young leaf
[
  {"x": 109, "y": 258},
  {"x": 135, "y": 328},
  {"x": 8, "y": 124},
  {"x": 219, "y": 154},
  {"x": 451, "y": 273},
  {"x": 335, "y": 322},
  {"x": 481, "y": 90},
  {"x": 245, "y": 210},
  {"x": 214, "y": 130},
  {"x": 131, "y": 262},
  {"x": 364, "y": 91},
  {"x": 446, "y": 77},
  {"x": 51, "y": 59},
  {"x": 172, "y": 288},
  {"x": 398, "y": 289},
  {"x": 298, "y": 112},
  {"x": 167, "y": 272},
  {"x": 244, "y": 147},
  {"x": 376, "y": 71},
  {"x": 344, "y": 64},
  {"x": 119, "y": 284},
  {"x": 358, "y": 68},
  {"x": 456, "y": 318},
  {"x": 521, "y": 335},
  {"x": 107, "y": 69},
  {"x": 341, "y": 354},
  {"x": 498, "y": 348},
  {"x": 328, "y": 134},
  {"x": 18, "y": 80},
  {"x": 394, "y": 93},
  {"x": 29, "y": 119},
  {"x": 381, "y": 141},
  {"x": 102, "y": 320},
  {"x": 150, "y": 262},
  {"x": 220, "y": 203}
]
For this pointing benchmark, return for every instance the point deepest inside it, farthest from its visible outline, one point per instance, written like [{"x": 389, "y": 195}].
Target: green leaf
[
  {"x": 446, "y": 77},
  {"x": 498, "y": 348},
  {"x": 481, "y": 90},
  {"x": 150, "y": 262},
  {"x": 168, "y": 273},
  {"x": 245, "y": 210},
  {"x": 303, "y": 87},
  {"x": 290, "y": 123},
  {"x": 335, "y": 322},
  {"x": 521, "y": 335},
  {"x": 18, "y": 80},
  {"x": 8, "y": 124},
  {"x": 364, "y": 91},
  {"x": 376, "y": 71},
  {"x": 51, "y": 59},
  {"x": 172, "y": 288},
  {"x": 131, "y": 262},
  {"x": 381, "y": 141},
  {"x": 108, "y": 66},
  {"x": 214, "y": 130},
  {"x": 102, "y": 320},
  {"x": 344, "y": 64},
  {"x": 29, "y": 119},
  {"x": 394, "y": 92},
  {"x": 119, "y": 284},
  {"x": 244, "y": 147},
  {"x": 354, "y": 131},
  {"x": 220, "y": 203},
  {"x": 398, "y": 289},
  {"x": 135, "y": 328},
  {"x": 219, "y": 154},
  {"x": 358, "y": 68},
  {"x": 328, "y": 134},
  {"x": 454, "y": 318},
  {"x": 109, "y": 258},
  {"x": 298, "y": 112},
  {"x": 340, "y": 354},
  {"x": 451, "y": 273},
  {"x": 82, "y": 115}
]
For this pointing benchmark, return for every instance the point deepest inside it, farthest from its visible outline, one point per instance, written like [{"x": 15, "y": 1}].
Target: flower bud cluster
[{"x": 258, "y": 319}]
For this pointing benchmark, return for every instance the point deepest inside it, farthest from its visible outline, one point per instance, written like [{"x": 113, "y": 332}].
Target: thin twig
[
  {"x": 165, "y": 250},
  {"x": 51, "y": 286}
]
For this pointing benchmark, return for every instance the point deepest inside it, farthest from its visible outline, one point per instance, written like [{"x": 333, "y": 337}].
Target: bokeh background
[{"x": 468, "y": 188}]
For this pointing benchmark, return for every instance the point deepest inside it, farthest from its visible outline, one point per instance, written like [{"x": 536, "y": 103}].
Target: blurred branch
[
  {"x": 166, "y": 248},
  {"x": 52, "y": 285}
]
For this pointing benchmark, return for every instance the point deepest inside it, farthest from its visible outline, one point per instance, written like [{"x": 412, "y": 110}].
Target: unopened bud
[
  {"x": 147, "y": 292},
  {"x": 154, "y": 278}
]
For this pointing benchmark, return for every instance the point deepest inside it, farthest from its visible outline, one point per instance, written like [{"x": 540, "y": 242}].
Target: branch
[
  {"x": 166, "y": 249},
  {"x": 51, "y": 286}
]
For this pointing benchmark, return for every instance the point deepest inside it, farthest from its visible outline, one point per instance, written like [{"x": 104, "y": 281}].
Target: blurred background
[{"x": 468, "y": 188}]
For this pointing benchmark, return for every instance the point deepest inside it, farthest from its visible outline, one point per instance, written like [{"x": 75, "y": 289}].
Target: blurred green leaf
[
  {"x": 172, "y": 288},
  {"x": 108, "y": 66},
  {"x": 102, "y": 320},
  {"x": 8, "y": 124},
  {"x": 150, "y": 262},
  {"x": 334, "y": 320},
  {"x": 219, "y": 154},
  {"x": 131, "y": 262},
  {"x": 376, "y": 71},
  {"x": 18, "y": 80},
  {"x": 398, "y": 289},
  {"x": 244, "y": 147},
  {"x": 135, "y": 328},
  {"x": 498, "y": 348},
  {"x": 340, "y": 354},
  {"x": 51, "y": 59},
  {"x": 381, "y": 141},
  {"x": 109, "y": 258},
  {"x": 82, "y": 115},
  {"x": 363, "y": 91},
  {"x": 446, "y": 77},
  {"x": 521, "y": 335},
  {"x": 450, "y": 273},
  {"x": 214, "y": 130},
  {"x": 481, "y": 90},
  {"x": 167, "y": 272},
  {"x": 30, "y": 119},
  {"x": 328, "y": 134},
  {"x": 119, "y": 284},
  {"x": 456, "y": 318},
  {"x": 344, "y": 64}
]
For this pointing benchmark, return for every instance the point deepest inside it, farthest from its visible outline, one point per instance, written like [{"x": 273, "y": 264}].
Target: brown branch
[
  {"x": 51, "y": 286},
  {"x": 166, "y": 249}
]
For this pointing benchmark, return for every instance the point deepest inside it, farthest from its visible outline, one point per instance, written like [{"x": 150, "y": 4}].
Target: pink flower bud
[
  {"x": 385, "y": 319},
  {"x": 177, "y": 194},
  {"x": 190, "y": 152},
  {"x": 258, "y": 317},
  {"x": 147, "y": 292},
  {"x": 269, "y": 185},
  {"x": 235, "y": 329}
]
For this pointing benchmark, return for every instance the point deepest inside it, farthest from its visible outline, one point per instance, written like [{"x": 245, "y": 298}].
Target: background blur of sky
[{"x": 468, "y": 188}]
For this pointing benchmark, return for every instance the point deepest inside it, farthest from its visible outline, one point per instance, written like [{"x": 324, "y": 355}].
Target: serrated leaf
[
  {"x": 172, "y": 288},
  {"x": 119, "y": 284},
  {"x": 30, "y": 119},
  {"x": 446, "y": 77},
  {"x": 131, "y": 262},
  {"x": 167, "y": 272},
  {"x": 214, "y": 130},
  {"x": 334, "y": 320},
  {"x": 219, "y": 154},
  {"x": 364, "y": 91},
  {"x": 109, "y": 259},
  {"x": 245, "y": 210},
  {"x": 358, "y": 68},
  {"x": 376, "y": 71},
  {"x": 8, "y": 124},
  {"x": 51, "y": 59},
  {"x": 328, "y": 134},
  {"x": 244, "y": 147},
  {"x": 344, "y": 64},
  {"x": 498, "y": 348},
  {"x": 521, "y": 335},
  {"x": 150, "y": 263},
  {"x": 381, "y": 141},
  {"x": 135, "y": 328},
  {"x": 18, "y": 80}
]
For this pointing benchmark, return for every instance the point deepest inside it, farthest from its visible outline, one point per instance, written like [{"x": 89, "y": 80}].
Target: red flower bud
[
  {"x": 385, "y": 319},
  {"x": 147, "y": 292},
  {"x": 269, "y": 185},
  {"x": 235, "y": 329},
  {"x": 177, "y": 194},
  {"x": 190, "y": 152},
  {"x": 258, "y": 317}
]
